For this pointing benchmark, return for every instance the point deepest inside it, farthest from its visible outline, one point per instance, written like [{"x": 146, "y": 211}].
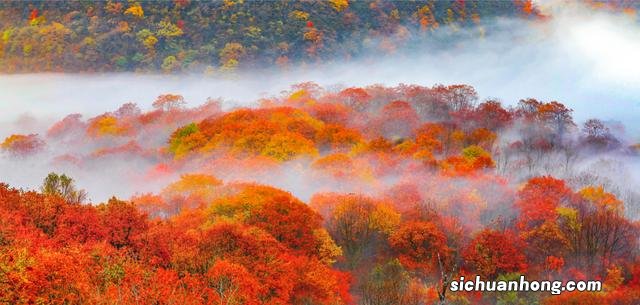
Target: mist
[{"x": 584, "y": 59}]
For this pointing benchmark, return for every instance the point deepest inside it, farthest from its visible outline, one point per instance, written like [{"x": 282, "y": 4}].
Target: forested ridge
[
  {"x": 406, "y": 187},
  {"x": 209, "y": 36}
]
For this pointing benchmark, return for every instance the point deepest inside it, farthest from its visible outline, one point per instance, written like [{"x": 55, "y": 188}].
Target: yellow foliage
[
  {"x": 230, "y": 56},
  {"x": 297, "y": 116},
  {"x": 312, "y": 35},
  {"x": 358, "y": 149},
  {"x": 200, "y": 186},
  {"x": 170, "y": 63},
  {"x": 6, "y": 34},
  {"x": 570, "y": 215},
  {"x": 298, "y": 95},
  {"x": 286, "y": 146},
  {"x": 38, "y": 21},
  {"x": 406, "y": 148},
  {"x": 601, "y": 198},
  {"x": 449, "y": 19},
  {"x": 238, "y": 205},
  {"x": 194, "y": 182},
  {"x": 8, "y": 142},
  {"x": 473, "y": 152},
  {"x": 89, "y": 41},
  {"x": 366, "y": 214},
  {"x": 150, "y": 42},
  {"x": 229, "y": 65},
  {"x": 232, "y": 50},
  {"x": 123, "y": 26},
  {"x": 106, "y": 125},
  {"x": 327, "y": 248},
  {"x": 168, "y": 29},
  {"x": 26, "y": 49},
  {"x": 614, "y": 278},
  {"x": 54, "y": 28},
  {"x": 339, "y": 5},
  {"x": 299, "y": 15},
  {"x": 301, "y": 98},
  {"x": 394, "y": 14},
  {"x": 253, "y": 31},
  {"x": 230, "y": 3},
  {"x": 135, "y": 10},
  {"x": 54, "y": 35},
  {"x": 384, "y": 218}
]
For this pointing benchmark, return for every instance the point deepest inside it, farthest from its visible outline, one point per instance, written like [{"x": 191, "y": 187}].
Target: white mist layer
[{"x": 583, "y": 59}]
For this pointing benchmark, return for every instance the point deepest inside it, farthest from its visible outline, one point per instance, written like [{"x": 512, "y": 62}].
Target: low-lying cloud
[{"x": 584, "y": 59}]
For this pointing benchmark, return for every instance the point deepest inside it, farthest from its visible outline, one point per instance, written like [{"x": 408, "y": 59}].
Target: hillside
[
  {"x": 374, "y": 194},
  {"x": 183, "y": 35}
]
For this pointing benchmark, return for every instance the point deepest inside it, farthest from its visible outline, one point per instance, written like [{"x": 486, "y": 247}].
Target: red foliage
[
  {"x": 34, "y": 14},
  {"x": 355, "y": 98},
  {"x": 124, "y": 223},
  {"x": 80, "y": 224},
  {"x": 492, "y": 253},
  {"x": 66, "y": 126},
  {"x": 418, "y": 168},
  {"x": 288, "y": 220},
  {"x": 539, "y": 199}
]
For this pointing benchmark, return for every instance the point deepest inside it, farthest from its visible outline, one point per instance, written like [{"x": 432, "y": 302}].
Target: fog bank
[{"x": 584, "y": 59}]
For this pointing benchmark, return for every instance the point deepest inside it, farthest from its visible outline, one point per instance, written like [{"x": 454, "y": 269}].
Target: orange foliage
[
  {"x": 168, "y": 102},
  {"x": 286, "y": 218},
  {"x": 416, "y": 169},
  {"x": 280, "y": 133},
  {"x": 107, "y": 125},
  {"x": 338, "y": 165},
  {"x": 600, "y": 198},
  {"x": 473, "y": 158},
  {"x": 337, "y": 137},
  {"x": 22, "y": 144},
  {"x": 113, "y": 253},
  {"x": 191, "y": 191},
  {"x": 420, "y": 245},
  {"x": 231, "y": 283}
]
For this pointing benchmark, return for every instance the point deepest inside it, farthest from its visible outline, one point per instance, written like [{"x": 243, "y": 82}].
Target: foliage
[
  {"x": 18, "y": 144},
  {"x": 63, "y": 186},
  {"x": 182, "y": 35},
  {"x": 408, "y": 189}
]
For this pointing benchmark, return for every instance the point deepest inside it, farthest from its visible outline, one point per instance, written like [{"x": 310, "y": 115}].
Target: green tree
[{"x": 63, "y": 186}]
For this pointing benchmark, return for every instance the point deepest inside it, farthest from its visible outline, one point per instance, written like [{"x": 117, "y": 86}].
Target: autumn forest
[{"x": 319, "y": 193}]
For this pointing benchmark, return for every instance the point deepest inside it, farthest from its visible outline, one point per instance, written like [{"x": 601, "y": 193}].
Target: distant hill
[{"x": 184, "y": 35}]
